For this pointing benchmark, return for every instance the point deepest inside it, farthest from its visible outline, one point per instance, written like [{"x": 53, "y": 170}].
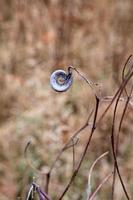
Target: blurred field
[{"x": 37, "y": 37}]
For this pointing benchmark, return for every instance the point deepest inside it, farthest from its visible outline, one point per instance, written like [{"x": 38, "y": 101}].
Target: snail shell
[{"x": 60, "y": 80}]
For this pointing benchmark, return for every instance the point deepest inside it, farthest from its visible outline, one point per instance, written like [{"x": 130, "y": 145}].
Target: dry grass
[{"x": 95, "y": 36}]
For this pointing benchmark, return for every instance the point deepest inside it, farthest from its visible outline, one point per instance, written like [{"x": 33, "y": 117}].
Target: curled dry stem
[
  {"x": 100, "y": 185},
  {"x": 117, "y": 138},
  {"x": 124, "y": 83},
  {"x": 94, "y": 126},
  {"x": 90, "y": 83},
  {"x": 91, "y": 169}
]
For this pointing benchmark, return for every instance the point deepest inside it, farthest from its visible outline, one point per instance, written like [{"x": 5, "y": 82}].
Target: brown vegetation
[{"x": 37, "y": 37}]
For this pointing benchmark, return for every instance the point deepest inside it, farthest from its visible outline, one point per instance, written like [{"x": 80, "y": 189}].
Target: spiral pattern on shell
[{"x": 61, "y": 81}]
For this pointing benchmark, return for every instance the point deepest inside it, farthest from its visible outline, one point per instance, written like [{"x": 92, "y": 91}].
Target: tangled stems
[
  {"x": 84, "y": 152},
  {"x": 34, "y": 188},
  {"x": 96, "y": 121},
  {"x": 115, "y": 150}
]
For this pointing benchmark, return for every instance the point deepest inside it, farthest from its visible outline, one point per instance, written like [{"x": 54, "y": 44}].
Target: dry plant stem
[
  {"x": 40, "y": 192},
  {"x": 113, "y": 99},
  {"x": 117, "y": 139},
  {"x": 48, "y": 175},
  {"x": 84, "y": 152},
  {"x": 74, "y": 143},
  {"x": 90, "y": 84},
  {"x": 27, "y": 160},
  {"x": 109, "y": 98},
  {"x": 125, "y": 65},
  {"x": 123, "y": 77},
  {"x": 123, "y": 71},
  {"x": 73, "y": 149},
  {"x": 71, "y": 138},
  {"x": 29, "y": 193},
  {"x": 82, "y": 128},
  {"x": 112, "y": 132},
  {"x": 36, "y": 189},
  {"x": 84, "y": 78},
  {"x": 92, "y": 167},
  {"x": 125, "y": 108},
  {"x": 66, "y": 146},
  {"x": 99, "y": 187},
  {"x": 122, "y": 86}
]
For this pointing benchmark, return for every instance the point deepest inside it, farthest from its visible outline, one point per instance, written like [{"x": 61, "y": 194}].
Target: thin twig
[
  {"x": 123, "y": 71},
  {"x": 29, "y": 192},
  {"x": 73, "y": 149},
  {"x": 92, "y": 167},
  {"x": 42, "y": 195},
  {"x": 64, "y": 148},
  {"x": 117, "y": 139},
  {"x": 90, "y": 83},
  {"x": 84, "y": 152},
  {"x": 28, "y": 161},
  {"x": 100, "y": 185},
  {"x": 125, "y": 65},
  {"x": 114, "y": 97},
  {"x": 125, "y": 108},
  {"x": 112, "y": 133}
]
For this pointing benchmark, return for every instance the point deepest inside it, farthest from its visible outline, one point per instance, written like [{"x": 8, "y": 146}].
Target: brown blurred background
[{"x": 37, "y": 37}]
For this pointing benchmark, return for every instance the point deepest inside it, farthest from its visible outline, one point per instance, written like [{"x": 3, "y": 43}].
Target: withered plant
[{"x": 124, "y": 93}]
